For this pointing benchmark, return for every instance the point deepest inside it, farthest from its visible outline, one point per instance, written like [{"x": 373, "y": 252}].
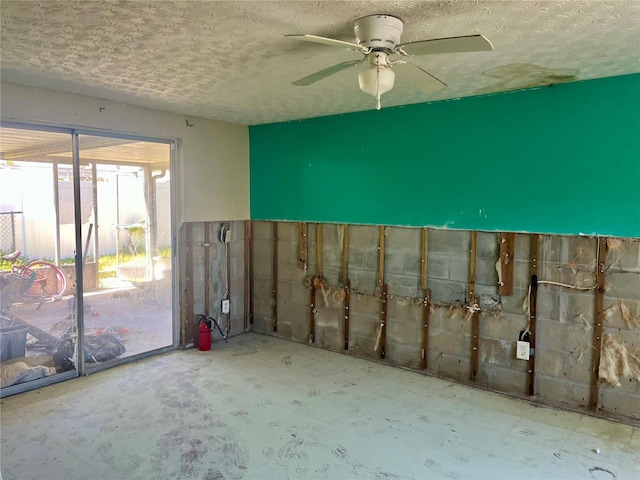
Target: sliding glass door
[{"x": 95, "y": 212}]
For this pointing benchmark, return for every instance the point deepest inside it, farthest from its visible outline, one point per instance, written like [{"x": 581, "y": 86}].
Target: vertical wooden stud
[
  {"x": 383, "y": 322},
  {"x": 533, "y": 300},
  {"x": 426, "y": 304},
  {"x": 598, "y": 331},
  {"x": 347, "y": 297},
  {"x": 312, "y": 313},
  {"x": 188, "y": 331},
  {"x": 319, "y": 249},
  {"x": 507, "y": 247},
  {"x": 381, "y": 242},
  {"x": 473, "y": 299},
  {"x": 207, "y": 268},
  {"x": 274, "y": 278},
  {"x": 345, "y": 254},
  {"x": 247, "y": 274},
  {"x": 302, "y": 245}
]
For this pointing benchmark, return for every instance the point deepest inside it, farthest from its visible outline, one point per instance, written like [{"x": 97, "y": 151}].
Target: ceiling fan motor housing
[{"x": 378, "y": 32}]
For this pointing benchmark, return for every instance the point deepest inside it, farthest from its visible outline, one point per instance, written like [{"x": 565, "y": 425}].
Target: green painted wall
[{"x": 564, "y": 159}]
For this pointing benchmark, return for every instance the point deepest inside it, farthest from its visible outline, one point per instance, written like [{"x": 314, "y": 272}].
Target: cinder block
[
  {"x": 444, "y": 291},
  {"x": 405, "y": 310},
  {"x": 300, "y": 294},
  {"x": 292, "y": 312},
  {"x": 355, "y": 259},
  {"x": 513, "y": 303},
  {"x": 579, "y": 367},
  {"x": 559, "y": 392},
  {"x": 624, "y": 285},
  {"x": 488, "y": 245},
  {"x": 522, "y": 247},
  {"x": 622, "y": 400},
  {"x": 404, "y": 239},
  {"x": 552, "y": 363},
  {"x": 446, "y": 343},
  {"x": 459, "y": 268},
  {"x": 288, "y": 231},
  {"x": 401, "y": 354},
  {"x": 582, "y": 250},
  {"x": 522, "y": 274},
  {"x": 562, "y": 337},
  {"x": 404, "y": 333},
  {"x": 498, "y": 352},
  {"x": 402, "y": 285},
  {"x": 329, "y": 318},
  {"x": 332, "y": 275},
  {"x": 363, "y": 280},
  {"x": 452, "y": 367},
  {"x": 330, "y": 234},
  {"x": 288, "y": 272},
  {"x": 548, "y": 303},
  {"x": 503, "y": 379},
  {"x": 486, "y": 273},
  {"x": 371, "y": 259},
  {"x": 437, "y": 266},
  {"x": 412, "y": 265},
  {"x": 262, "y": 288},
  {"x": 363, "y": 325},
  {"x": 284, "y": 291},
  {"x": 624, "y": 255},
  {"x": 550, "y": 249},
  {"x": 285, "y": 330},
  {"x": 301, "y": 331},
  {"x": 262, "y": 230},
  {"x": 365, "y": 305},
  {"x": 330, "y": 338},
  {"x": 332, "y": 256},
  {"x": 451, "y": 242},
  {"x": 394, "y": 263},
  {"x": 363, "y": 236},
  {"x": 505, "y": 326},
  {"x": 614, "y": 317}
]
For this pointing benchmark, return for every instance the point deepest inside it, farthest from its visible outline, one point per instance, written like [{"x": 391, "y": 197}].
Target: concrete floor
[{"x": 266, "y": 408}]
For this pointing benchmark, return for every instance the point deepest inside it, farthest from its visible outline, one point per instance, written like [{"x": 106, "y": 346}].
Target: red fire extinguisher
[{"x": 204, "y": 335}]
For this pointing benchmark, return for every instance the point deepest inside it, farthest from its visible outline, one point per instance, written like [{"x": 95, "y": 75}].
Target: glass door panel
[
  {"x": 37, "y": 246},
  {"x": 126, "y": 230}
]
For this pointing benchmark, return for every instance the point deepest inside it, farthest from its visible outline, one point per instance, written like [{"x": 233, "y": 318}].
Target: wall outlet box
[
  {"x": 225, "y": 309},
  {"x": 522, "y": 350}
]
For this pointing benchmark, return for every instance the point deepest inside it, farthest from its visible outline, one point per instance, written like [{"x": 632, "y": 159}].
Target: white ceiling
[{"x": 229, "y": 60}]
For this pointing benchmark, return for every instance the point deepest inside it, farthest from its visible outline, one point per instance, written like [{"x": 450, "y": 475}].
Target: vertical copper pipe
[
  {"x": 473, "y": 299},
  {"x": 274, "y": 284},
  {"x": 347, "y": 297},
  {"x": 533, "y": 300},
  {"x": 598, "y": 331}
]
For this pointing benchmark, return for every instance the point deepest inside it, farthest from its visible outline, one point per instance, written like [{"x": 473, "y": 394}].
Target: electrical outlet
[
  {"x": 522, "y": 350},
  {"x": 225, "y": 308}
]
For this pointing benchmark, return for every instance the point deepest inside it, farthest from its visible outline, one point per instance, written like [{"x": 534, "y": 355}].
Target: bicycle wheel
[{"x": 49, "y": 281}]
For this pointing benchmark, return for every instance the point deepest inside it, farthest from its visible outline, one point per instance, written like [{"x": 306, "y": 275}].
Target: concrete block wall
[
  {"x": 565, "y": 316},
  {"x": 232, "y": 323}
]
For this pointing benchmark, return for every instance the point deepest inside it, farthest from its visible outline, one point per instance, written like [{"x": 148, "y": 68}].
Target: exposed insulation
[
  {"x": 620, "y": 308},
  {"x": 616, "y": 361}
]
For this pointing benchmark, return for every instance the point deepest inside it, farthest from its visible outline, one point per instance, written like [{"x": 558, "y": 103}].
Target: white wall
[{"x": 212, "y": 156}]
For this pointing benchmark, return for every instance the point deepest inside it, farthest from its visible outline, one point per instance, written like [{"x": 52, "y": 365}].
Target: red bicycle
[{"x": 46, "y": 280}]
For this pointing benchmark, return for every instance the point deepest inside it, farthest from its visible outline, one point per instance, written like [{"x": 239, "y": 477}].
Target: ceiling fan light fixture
[{"x": 378, "y": 79}]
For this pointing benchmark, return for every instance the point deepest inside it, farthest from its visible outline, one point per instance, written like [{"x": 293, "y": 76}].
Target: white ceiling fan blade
[
  {"x": 422, "y": 80},
  {"x": 314, "y": 77},
  {"x": 471, "y": 43},
  {"x": 328, "y": 41}
]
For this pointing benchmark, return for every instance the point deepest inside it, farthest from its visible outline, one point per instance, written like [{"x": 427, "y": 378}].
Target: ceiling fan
[{"x": 378, "y": 37}]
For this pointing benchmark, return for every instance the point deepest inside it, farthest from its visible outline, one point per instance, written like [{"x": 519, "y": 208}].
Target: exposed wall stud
[
  {"x": 383, "y": 322},
  {"x": 347, "y": 296},
  {"x": 227, "y": 256},
  {"x": 474, "y": 301},
  {"x": 312, "y": 312},
  {"x": 188, "y": 332},
  {"x": 598, "y": 331},
  {"x": 426, "y": 304},
  {"x": 248, "y": 290},
  {"x": 381, "y": 255},
  {"x": 319, "y": 249},
  {"x": 507, "y": 248},
  {"x": 533, "y": 300},
  {"x": 423, "y": 259},
  {"x": 274, "y": 278},
  {"x": 207, "y": 268},
  {"x": 345, "y": 255},
  {"x": 302, "y": 245}
]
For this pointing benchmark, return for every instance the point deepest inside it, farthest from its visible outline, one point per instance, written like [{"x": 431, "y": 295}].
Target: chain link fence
[{"x": 9, "y": 224}]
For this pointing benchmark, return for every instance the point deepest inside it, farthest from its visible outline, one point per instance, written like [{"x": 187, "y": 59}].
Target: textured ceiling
[{"x": 229, "y": 60}]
